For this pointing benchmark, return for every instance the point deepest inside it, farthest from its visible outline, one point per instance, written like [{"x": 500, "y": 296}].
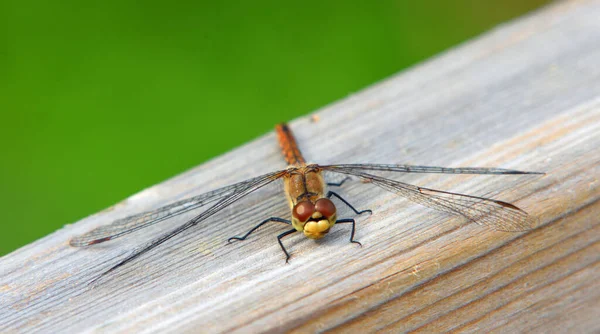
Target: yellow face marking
[{"x": 316, "y": 230}]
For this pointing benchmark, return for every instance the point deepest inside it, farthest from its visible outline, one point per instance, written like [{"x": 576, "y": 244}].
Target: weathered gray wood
[{"x": 525, "y": 96}]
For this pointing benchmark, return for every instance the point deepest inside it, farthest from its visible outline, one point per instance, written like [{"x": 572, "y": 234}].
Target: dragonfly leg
[
  {"x": 350, "y": 220},
  {"x": 272, "y": 219},
  {"x": 338, "y": 184},
  {"x": 331, "y": 193},
  {"x": 279, "y": 237}
]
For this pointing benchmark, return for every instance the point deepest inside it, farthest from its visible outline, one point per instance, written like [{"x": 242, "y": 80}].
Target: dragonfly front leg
[
  {"x": 331, "y": 193},
  {"x": 338, "y": 184},
  {"x": 350, "y": 220},
  {"x": 279, "y": 237},
  {"x": 272, "y": 219}
]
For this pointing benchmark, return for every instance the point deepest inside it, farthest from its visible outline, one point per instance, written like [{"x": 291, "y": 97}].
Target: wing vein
[{"x": 499, "y": 215}]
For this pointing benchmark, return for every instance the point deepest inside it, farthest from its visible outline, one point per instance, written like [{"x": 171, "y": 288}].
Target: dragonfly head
[{"x": 316, "y": 219}]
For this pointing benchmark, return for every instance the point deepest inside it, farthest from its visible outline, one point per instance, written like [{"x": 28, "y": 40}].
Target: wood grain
[{"x": 524, "y": 96}]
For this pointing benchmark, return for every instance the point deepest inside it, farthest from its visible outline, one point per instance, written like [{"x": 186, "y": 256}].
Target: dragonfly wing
[
  {"x": 427, "y": 169},
  {"x": 135, "y": 222},
  {"x": 243, "y": 188},
  {"x": 499, "y": 215}
]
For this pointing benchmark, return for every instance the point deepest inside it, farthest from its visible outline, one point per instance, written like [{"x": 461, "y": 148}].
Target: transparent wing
[
  {"x": 499, "y": 215},
  {"x": 136, "y": 222},
  {"x": 242, "y": 189},
  {"x": 427, "y": 169}
]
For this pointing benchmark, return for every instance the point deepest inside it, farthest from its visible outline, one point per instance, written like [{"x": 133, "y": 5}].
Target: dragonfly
[{"x": 312, "y": 210}]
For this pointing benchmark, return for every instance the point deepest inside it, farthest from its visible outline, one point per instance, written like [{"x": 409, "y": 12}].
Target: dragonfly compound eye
[
  {"x": 303, "y": 210},
  {"x": 326, "y": 207}
]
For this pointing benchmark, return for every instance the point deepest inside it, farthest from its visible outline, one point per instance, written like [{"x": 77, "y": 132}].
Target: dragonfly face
[{"x": 316, "y": 219}]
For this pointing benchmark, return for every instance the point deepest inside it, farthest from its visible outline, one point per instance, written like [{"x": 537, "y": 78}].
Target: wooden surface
[{"x": 524, "y": 96}]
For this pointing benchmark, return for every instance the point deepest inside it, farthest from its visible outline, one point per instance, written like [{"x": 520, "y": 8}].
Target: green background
[{"x": 99, "y": 100}]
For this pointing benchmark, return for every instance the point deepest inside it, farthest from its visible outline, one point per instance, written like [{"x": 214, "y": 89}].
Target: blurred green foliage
[{"x": 100, "y": 99}]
